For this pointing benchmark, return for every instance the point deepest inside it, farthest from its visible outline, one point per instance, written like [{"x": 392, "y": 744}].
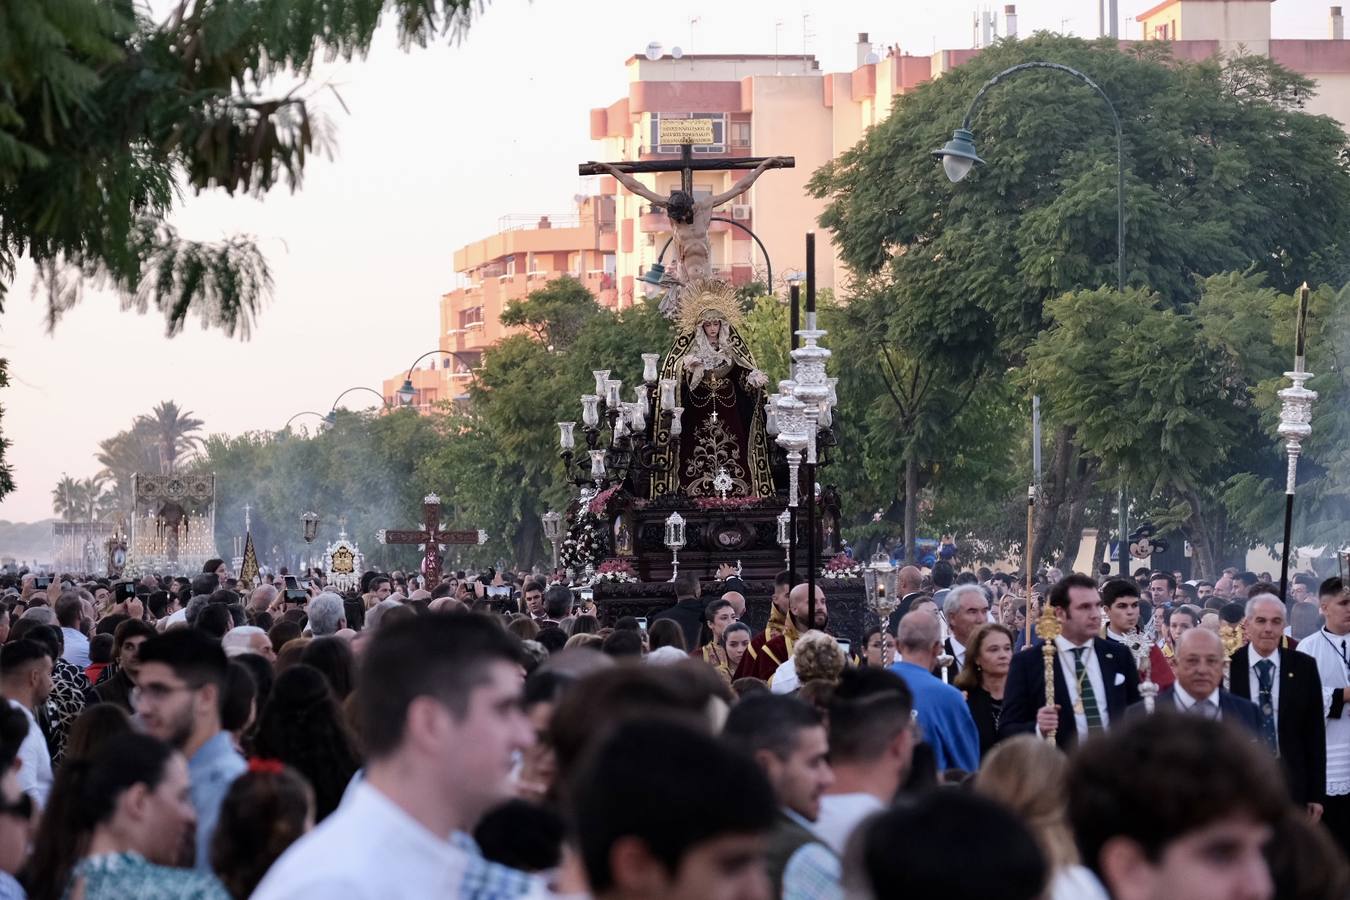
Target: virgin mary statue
[{"x": 722, "y": 447}]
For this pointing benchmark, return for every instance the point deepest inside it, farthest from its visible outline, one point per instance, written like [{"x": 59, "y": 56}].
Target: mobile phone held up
[
  {"x": 297, "y": 595},
  {"x": 124, "y": 591},
  {"x": 291, "y": 584}
]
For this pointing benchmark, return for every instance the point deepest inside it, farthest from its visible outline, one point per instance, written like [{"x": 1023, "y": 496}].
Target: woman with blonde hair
[{"x": 1028, "y": 776}]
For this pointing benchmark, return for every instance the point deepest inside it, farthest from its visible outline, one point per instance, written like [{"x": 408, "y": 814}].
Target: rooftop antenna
[
  {"x": 807, "y": 35},
  {"x": 694, "y": 20},
  {"x": 777, "y": 33}
]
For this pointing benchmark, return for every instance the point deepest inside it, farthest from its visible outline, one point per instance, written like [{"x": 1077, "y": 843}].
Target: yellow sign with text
[{"x": 685, "y": 131}]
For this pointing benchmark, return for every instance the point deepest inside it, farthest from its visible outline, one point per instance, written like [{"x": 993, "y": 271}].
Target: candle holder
[
  {"x": 676, "y": 426},
  {"x": 612, "y": 388},
  {"x": 553, "y": 531},
  {"x": 590, "y": 410},
  {"x": 792, "y": 436},
  {"x": 565, "y": 439},
  {"x": 601, "y": 379},
  {"x": 674, "y": 541},
  {"x": 598, "y": 467},
  {"x": 649, "y": 361},
  {"x": 771, "y": 415},
  {"x": 668, "y": 393}
]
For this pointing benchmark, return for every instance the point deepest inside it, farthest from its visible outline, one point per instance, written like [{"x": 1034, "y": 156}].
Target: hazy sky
[{"x": 438, "y": 143}]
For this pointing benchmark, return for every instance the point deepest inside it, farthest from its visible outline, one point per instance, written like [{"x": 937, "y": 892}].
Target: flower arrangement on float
[
  {"x": 584, "y": 545},
  {"x": 841, "y": 565},
  {"x": 617, "y": 571}
]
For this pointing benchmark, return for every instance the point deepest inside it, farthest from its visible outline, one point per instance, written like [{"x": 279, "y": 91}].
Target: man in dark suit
[
  {"x": 1199, "y": 686},
  {"x": 687, "y": 611},
  {"x": 1095, "y": 679},
  {"x": 1288, "y": 695}
]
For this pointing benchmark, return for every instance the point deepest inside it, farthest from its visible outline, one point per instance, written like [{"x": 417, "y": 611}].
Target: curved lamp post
[
  {"x": 307, "y": 412},
  {"x": 332, "y": 413},
  {"x": 657, "y": 271},
  {"x": 407, "y": 392},
  {"x": 958, "y": 157}
]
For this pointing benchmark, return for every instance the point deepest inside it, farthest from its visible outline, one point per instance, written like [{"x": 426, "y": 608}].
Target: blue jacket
[{"x": 944, "y": 718}]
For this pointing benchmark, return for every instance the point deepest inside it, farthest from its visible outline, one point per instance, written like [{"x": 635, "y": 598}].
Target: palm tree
[
  {"x": 124, "y": 455},
  {"x": 66, "y": 499},
  {"x": 173, "y": 431}
]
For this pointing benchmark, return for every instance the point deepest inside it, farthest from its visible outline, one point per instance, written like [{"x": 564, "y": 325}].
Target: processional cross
[
  {"x": 689, "y": 217},
  {"x": 431, "y": 538}
]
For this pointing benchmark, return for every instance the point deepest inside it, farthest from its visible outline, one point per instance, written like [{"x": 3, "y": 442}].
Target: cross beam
[
  {"x": 686, "y": 165},
  {"x": 430, "y": 537}
]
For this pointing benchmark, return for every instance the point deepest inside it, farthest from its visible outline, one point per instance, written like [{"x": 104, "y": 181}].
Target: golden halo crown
[{"x": 706, "y": 300}]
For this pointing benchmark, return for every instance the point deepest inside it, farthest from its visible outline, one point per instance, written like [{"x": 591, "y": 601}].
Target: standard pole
[
  {"x": 1284, "y": 554},
  {"x": 794, "y": 322},
  {"x": 1031, "y": 536},
  {"x": 811, "y": 467}
]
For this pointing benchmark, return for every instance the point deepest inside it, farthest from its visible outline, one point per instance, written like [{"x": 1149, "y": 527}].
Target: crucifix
[
  {"x": 689, "y": 216},
  {"x": 431, "y": 538}
]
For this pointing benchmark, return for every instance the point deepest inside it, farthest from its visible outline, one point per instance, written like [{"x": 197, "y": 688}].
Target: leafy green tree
[
  {"x": 106, "y": 114},
  {"x": 1222, "y": 166},
  {"x": 554, "y": 314}
]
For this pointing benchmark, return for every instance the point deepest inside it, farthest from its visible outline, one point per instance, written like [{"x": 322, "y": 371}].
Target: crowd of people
[{"x": 500, "y": 737}]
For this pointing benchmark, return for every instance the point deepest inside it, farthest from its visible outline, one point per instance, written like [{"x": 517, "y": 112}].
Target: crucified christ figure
[{"x": 690, "y": 218}]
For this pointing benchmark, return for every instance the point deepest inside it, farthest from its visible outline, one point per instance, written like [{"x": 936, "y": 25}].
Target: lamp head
[
  {"x": 331, "y": 418},
  {"x": 406, "y": 392},
  {"x": 958, "y": 155},
  {"x": 651, "y": 279}
]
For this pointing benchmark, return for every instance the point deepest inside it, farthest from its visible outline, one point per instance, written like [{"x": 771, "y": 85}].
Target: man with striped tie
[
  {"x": 1287, "y": 691},
  {"x": 1095, "y": 679}
]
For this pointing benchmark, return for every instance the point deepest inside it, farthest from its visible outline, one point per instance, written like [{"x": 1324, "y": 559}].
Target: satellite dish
[
  {"x": 653, "y": 51},
  {"x": 676, "y": 52},
  {"x": 578, "y": 198},
  {"x": 873, "y": 58}
]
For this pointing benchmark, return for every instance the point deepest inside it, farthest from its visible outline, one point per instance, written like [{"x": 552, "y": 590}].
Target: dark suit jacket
[
  {"x": 893, "y": 624},
  {"x": 1231, "y": 709},
  {"x": 982, "y": 711},
  {"x": 1025, "y": 691},
  {"x": 1299, "y": 722},
  {"x": 688, "y": 614}
]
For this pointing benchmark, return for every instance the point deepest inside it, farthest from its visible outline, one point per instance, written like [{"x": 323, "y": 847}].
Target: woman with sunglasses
[{"x": 115, "y": 826}]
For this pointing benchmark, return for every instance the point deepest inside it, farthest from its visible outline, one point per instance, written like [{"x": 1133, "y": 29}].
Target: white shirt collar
[
  {"x": 1188, "y": 701},
  {"x": 1254, "y": 656},
  {"x": 1065, "y": 646},
  {"x": 959, "y": 647}
]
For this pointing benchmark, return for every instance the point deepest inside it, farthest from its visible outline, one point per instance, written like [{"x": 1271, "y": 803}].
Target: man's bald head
[
  {"x": 920, "y": 632},
  {"x": 797, "y": 605},
  {"x": 1200, "y": 659},
  {"x": 1202, "y": 639},
  {"x": 909, "y": 580},
  {"x": 737, "y": 601}
]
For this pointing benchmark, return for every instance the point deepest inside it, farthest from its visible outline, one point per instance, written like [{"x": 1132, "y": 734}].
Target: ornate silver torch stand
[
  {"x": 1295, "y": 427},
  {"x": 553, "y": 531},
  {"x": 674, "y": 541}
]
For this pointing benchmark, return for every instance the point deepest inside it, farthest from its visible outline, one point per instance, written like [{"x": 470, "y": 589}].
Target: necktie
[
  {"x": 1087, "y": 699},
  {"x": 1265, "y": 677},
  {"x": 1205, "y": 710}
]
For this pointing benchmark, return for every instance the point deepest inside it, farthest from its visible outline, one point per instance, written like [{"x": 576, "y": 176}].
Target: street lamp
[
  {"x": 958, "y": 157},
  {"x": 406, "y": 391},
  {"x": 332, "y": 413},
  {"x": 307, "y": 412}
]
